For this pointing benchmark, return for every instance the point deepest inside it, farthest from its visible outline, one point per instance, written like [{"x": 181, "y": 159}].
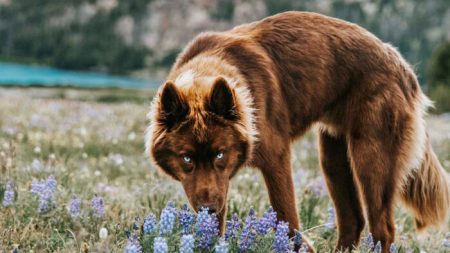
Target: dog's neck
[{"x": 203, "y": 66}]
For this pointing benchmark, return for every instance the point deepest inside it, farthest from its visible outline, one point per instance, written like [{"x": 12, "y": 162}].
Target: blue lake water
[{"x": 25, "y": 75}]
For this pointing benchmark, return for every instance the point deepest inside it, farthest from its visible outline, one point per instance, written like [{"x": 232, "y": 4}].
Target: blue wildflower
[
  {"x": 187, "y": 244},
  {"x": 281, "y": 243},
  {"x": 44, "y": 190},
  {"x": 51, "y": 183},
  {"x": 37, "y": 187},
  {"x": 368, "y": 241},
  {"x": 297, "y": 238},
  {"x": 74, "y": 207},
  {"x": 45, "y": 200},
  {"x": 167, "y": 219},
  {"x": 8, "y": 197},
  {"x": 232, "y": 227},
  {"x": 331, "y": 223},
  {"x": 303, "y": 248},
  {"x": 160, "y": 245},
  {"x": 98, "y": 206},
  {"x": 185, "y": 219},
  {"x": 248, "y": 232},
  {"x": 133, "y": 245},
  {"x": 268, "y": 221},
  {"x": 150, "y": 224},
  {"x": 377, "y": 248},
  {"x": 392, "y": 248},
  {"x": 446, "y": 241},
  {"x": 207, "y": 227},
  {"x": 221, "y": 246}
]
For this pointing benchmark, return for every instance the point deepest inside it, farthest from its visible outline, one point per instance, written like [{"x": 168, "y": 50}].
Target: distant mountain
[{"x": 123, "y": 36}]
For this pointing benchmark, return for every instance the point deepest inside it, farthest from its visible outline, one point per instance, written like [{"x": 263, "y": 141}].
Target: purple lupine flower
[
  {"x": 446, "y": 241},
  {"x": 303, "y": 248},
  {"x": 248, "y": 232},
  {"x": 186, "y": 219},
  {"x": 150, "y": 224},
  {"x": 392, "y": 248},
  {"x": 40, "y": 186},
  {"x": 167, "y": 219},
  {"x": 98, "y": 206},
  {"x": 187, "y": 244},
  {"x": 8, "y": 197},
  {"x": 207, "y": 227},
  {"x": 74, "y": 207},
  {"x": 51, "y": 183},
  {"x": 268, "y": 221},
  {"x": 160, "y": 245},
  {"x": 232, "y": 227},
  {"x": 221, "y": 246},
  {"x": 281, "y": 243},
  {"x": 45, "y": 200},
  {"x": 44, "y": 190},
  {"x": 297, "y": 237},
  {"x": 331, "y": 223},
  {"x": 368, "y": 241},
  {"x": 133, "y": 245},
  {"x": 37, "y": 187},
  {"x": 377, "y": 248}
]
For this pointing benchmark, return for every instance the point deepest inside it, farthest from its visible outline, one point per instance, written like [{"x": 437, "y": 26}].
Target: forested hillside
[{"x": 120, "y": 36}]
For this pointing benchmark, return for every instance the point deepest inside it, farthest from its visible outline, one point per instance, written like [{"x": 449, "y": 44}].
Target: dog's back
[{"x": 307, "y": 67}]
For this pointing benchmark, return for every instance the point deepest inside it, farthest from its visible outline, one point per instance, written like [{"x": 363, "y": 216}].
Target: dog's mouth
[{"x": 212, "y": 208}]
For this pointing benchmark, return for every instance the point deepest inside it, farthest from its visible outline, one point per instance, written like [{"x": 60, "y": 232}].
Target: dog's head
[{"x": 201, "y": 133}]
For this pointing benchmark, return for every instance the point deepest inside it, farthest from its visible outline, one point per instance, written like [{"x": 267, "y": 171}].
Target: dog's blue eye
[
  {"x": 219, "y": 155},
  {"x": 187, "y": 159}
]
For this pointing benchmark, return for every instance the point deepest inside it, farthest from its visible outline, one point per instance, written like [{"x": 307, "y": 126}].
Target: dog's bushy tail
[{"x": 427, "y": 191}]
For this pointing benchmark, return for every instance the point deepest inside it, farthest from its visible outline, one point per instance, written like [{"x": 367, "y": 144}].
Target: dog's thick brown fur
[{"x": 242, "y": 96}]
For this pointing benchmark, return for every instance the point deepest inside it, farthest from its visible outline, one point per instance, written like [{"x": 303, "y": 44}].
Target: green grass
[{"x": 92, "y": 147}]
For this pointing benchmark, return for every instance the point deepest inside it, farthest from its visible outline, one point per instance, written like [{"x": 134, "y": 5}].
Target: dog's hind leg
[
  {"x": 373, "y": 155},
  {"x": 336, "y": 169}
]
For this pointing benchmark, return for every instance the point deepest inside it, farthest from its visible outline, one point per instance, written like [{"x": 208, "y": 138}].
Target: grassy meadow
[{"x": 91, "y": 141}]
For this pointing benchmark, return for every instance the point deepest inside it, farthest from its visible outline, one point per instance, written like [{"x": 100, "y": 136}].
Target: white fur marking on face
[{"x": 185, "y": 79}]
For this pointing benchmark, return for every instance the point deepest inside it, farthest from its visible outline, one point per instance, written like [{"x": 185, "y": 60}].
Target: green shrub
[
  {"x": 224, "y": 10},
  {"x": 277, "y": 6},
  {"x": 167, "y": 60},
  {"x": 439, "y": 68},
  {"x": 441, "y": 97},
  {"x": 439, "y": 78}
]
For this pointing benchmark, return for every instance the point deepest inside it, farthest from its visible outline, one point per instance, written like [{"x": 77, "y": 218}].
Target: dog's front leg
[
  {"x": 280, "y": 185},
  {"x": 278, "y": 177}
]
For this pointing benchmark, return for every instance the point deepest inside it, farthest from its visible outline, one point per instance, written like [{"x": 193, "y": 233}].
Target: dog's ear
[
  {"x": 221, "y": 100},
  {"x": 172, "y": 108}
]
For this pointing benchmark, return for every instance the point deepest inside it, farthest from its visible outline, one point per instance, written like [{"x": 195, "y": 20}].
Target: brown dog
[{"x": 242, "y": 96}]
